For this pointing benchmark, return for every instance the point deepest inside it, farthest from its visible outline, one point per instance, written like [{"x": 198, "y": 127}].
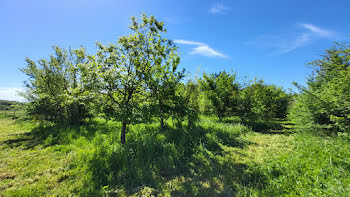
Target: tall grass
[
  {"x": 98, "y": 164},
  {"x": 317, "y": 166},
  {"x": 211, "y": 159}
]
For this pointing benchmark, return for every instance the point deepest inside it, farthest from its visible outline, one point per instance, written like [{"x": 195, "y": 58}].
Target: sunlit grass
[
  {"x": 26, "y": 171},
  {"x": 213, "y": 159}
]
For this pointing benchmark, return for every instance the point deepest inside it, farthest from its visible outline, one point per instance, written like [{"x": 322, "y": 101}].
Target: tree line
[{"x": 137, "y": 79}]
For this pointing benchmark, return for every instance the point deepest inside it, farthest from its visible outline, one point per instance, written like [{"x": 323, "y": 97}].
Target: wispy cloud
[
  {"x": 285, "y": 43},
  {"x": 201, "y": 49},
  {"x": 10, "y": 94},
  {"x": 188, "y": 42},
  {"x": 318, "y": 31},
  {"x": 219, "y": 8},
  {"x": 299, "y": 41}
]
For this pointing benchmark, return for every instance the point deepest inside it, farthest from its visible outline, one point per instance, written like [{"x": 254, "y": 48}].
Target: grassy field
[{"x": 212, "y": 159}]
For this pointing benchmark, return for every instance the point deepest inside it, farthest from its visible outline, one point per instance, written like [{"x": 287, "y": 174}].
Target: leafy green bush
[{"x": 54, "y": 89}]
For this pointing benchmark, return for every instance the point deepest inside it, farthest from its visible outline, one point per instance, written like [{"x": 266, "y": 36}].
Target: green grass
[
  {"x": 212, "y": 159},
  {"x": 27, "y": 169},
  {"x": 300, "y": 165}
]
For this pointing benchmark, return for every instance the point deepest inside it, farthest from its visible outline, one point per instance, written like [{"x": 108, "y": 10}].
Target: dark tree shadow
[
  {"x": 268, "y": 126},
  {"x": 273, "y": 126},
  {"x": 151, "y": 157},
  {"x": 221, "y": 180},
  {"x": 49, "y": 134},
  {"x": 161, "y": 155}
]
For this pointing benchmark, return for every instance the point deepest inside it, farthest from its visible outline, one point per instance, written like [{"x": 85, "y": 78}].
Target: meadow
[
  {"x": 215, "y": 158},
  {"x": 126, "y": 122}
]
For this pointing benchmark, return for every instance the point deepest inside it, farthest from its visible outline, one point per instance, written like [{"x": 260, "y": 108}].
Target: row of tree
[
  {"x": 136, "y": 80},
  {"x": 255, "y": 100}
]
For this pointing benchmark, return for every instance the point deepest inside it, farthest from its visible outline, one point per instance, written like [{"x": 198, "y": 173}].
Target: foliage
[
  {"x": 121, "y": 80},
  {"x": 164, "y": 78},
  {"x": 222, "y": 90},
  {"x": 326, "y": 99},
  {"x": 136, "y": 80},
  {"x": 53, "y": 90},
  {"x": 187, "y": 104},
  {"x": 139, "y": 66},
  {"x": 133, "y": 85},
  {"x": 261, "y": 101}
]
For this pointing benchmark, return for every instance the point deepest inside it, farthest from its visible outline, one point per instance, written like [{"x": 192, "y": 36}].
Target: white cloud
[
  {"x": 285, "y": 43},
  {"x": 205, "y": 50},
  {"x": 218, "y": 8},
  {"x": 188, "y": 42},
  {"x": 201, "y": 49},
  {"x": 10, "y": 94},
  {"x": 318, "y": 31}
]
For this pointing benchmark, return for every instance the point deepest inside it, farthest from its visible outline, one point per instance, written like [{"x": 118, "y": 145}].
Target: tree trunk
[
  {"x": 179, "y": 123},
  {"x": 122, "y": 134},
  {"x": 161, "y": 114},
  {"x": 220, "y": 117},
  {"x": 162, "y": 123}
]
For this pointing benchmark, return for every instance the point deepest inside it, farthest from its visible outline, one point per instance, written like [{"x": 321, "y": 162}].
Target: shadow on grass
[
  {"x": 49, "y": 134},
  {"x": 157, "y": 158},
  {"x": 151, "y": 158},
  {"x": 222, "y": 179},
  {"x": 22, "y": 139},
  {"x": 274, "y": 126},
  {"x": 271, "y": 126}
]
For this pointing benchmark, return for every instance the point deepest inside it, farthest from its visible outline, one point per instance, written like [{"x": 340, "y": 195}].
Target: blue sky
[{"x": 270, "y": 39}]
